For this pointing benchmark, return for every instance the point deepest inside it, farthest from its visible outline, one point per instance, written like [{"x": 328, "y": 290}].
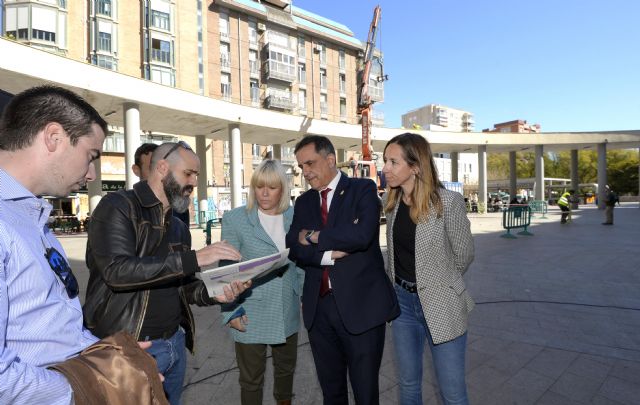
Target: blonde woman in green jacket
[{"x": 269, "y": 313}]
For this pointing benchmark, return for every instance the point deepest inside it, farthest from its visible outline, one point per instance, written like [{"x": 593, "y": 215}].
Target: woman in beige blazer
[{"x": 430, "y": 247}]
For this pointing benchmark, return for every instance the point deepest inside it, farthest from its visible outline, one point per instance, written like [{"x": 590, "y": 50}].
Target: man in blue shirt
[{"x": 49, "y": 140}]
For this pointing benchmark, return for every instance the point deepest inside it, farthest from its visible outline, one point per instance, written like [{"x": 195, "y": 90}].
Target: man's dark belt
[
  {"x": 163, "y": 335},
  {"x": 409, "y": 286}
]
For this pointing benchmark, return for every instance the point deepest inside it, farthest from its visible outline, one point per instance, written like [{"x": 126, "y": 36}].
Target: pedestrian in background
[
  {"x": 272, "y": 307},
  {"x": 610, "y": 199},
  {"x": 564, "y": 202},
  {"x": 430, "y": 247}
]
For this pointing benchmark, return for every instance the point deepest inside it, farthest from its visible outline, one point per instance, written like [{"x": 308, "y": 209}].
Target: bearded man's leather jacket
[{"x": 125, "y": 231}]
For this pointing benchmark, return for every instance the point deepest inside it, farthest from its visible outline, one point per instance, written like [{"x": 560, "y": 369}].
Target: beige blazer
[{"x": 444, "y": 251}]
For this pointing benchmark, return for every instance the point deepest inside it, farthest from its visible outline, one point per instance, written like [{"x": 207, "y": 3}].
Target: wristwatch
[{"x": 308, "y": 235}]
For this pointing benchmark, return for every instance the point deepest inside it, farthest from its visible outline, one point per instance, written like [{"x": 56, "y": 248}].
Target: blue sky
[{"x": 569, "y": 65}]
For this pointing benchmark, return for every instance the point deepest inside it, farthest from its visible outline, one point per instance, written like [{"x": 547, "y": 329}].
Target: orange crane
[
  {"x": 364, "y": 99},
  {"x": 366, "y": 167}
]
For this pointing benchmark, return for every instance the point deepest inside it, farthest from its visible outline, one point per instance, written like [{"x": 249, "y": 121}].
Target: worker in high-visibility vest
[{"x": 564, "y": 204}]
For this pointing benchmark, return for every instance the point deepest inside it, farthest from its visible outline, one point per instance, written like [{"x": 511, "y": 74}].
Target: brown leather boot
[{"x": 284, "y": 402}]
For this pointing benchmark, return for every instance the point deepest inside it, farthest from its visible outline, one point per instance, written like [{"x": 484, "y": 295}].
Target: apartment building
[
  {"x": 436, "y": 117},
  {"x": 515, "y": 126},
  {"x": 265, "y": 54}
]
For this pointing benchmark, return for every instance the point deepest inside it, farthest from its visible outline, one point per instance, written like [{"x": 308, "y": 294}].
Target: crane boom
[{"x": 364, "y": 99}]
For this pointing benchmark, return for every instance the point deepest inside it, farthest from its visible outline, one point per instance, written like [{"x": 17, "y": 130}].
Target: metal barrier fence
[
  {"x": 539, "y": 207},
  {"x": 514, "y": 217}
]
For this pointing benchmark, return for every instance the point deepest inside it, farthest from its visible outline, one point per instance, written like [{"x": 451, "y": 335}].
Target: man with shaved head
[{"x": 143, "y": 268}]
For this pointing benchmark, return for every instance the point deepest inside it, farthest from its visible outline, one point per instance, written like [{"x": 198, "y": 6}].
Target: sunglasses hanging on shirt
[{"x": 60, "y": 266}]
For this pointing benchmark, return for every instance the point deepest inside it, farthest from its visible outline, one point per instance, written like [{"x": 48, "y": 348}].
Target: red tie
[{"x": 324, "y": 212}]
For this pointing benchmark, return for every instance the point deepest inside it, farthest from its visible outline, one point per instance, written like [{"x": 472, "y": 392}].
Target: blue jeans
[
  {"x": 410, "y": 331},
  {"x": 171, "y": 356}
]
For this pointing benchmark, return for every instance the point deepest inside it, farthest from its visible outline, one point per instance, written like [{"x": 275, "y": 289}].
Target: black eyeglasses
[
  {"x": 176, "y": 146},
  {"x": 60, "y": 266}
]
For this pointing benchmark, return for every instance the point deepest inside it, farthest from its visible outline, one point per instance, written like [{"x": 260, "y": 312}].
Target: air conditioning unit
[
  {"x": 262, "y": 27},
  {"x": 317, "y": 48}
]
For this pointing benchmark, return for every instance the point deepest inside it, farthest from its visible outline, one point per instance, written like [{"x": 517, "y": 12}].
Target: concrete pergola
[{"x": 134, "y": 104}]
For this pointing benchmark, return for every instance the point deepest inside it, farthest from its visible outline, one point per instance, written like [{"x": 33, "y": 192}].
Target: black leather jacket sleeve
[{"x": 123, "y": 245}]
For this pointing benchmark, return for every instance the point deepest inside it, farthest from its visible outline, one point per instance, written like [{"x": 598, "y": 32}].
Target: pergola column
[
  {"x": 513, "y": 175},
  {"x": 276, "y": 152},
  {"x": 235, "y": 154},
  {"x": 131, "y": 141},
  {"x": 94, "y": 188},
  {"x": 573, "y": 170},
  {"x": 454, "y": 166},
  {"x": 482, "y": 176},
  {"x": 203, "y": 204},
  {"x": 602, "y": 174},
  {"x": 539, "y": 166}
]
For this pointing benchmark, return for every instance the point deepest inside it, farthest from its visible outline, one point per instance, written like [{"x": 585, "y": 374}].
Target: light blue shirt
[{"x": 39, "y": 324}]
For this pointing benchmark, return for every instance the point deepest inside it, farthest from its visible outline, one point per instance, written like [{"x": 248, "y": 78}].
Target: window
[
  {"x": 324, "y": 107},
  {"x": 253, "y": 33},
  {"x": 341, "y": 59},
  {"x": 323, "y": 53},
  {"x": 160, "y": 20},
  {"x": 225, "y": 61},
  {"x": 103, "y": 7},
  {"x": 301, "y": 50},
  {"x": 323, "y": 79},
  {"x": 22, "y": 33},
  {"x": 225, "y": 86},
  {"x": 107, "y": 62},
  {"x": 343, "y": 108},
  {"x": 255, "y": 91},
  {"x": 343, "y": 83},
  {"x": 254, "y": 67},
  {"x": 224, "y": 25},
  {"x": 302, "y": 73},
  {"x": 255, "y": 150},
  {"x": 104, "y": 41},
  {"x": 163, "y": 75},
  {"x": 43, "y": 35},
  {"x": 302, "y": 101},
  {"x": 160, "y": 50}
]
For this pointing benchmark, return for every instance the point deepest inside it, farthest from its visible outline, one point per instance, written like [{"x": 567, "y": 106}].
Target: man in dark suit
[{"x": 347, "y": 298}]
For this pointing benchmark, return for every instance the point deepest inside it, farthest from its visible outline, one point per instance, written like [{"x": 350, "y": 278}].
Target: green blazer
[{"x": 273, "y": 303}]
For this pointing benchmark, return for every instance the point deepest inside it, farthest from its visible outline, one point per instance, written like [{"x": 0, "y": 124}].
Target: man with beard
[{"x": 143, "y": 268}]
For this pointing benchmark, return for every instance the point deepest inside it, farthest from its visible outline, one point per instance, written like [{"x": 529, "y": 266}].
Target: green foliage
[{"x": 622, "y": 167}]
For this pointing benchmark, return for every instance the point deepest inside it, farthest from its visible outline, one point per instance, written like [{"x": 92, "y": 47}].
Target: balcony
[
  {"x": 159, "y": 55},
  {"x": 276, "y": 39},
  {"x": 280, "y": 71},
  {"x": 279, "y": 99}
]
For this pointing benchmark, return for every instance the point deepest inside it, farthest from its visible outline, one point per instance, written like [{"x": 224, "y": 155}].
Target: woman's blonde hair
[
  {"x": 269, "y": 173},
  {"x": 425, "y": 195}
]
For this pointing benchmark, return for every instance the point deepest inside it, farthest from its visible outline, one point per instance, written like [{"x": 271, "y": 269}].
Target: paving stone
[
  {"x": 575, "y": 387},
  {"x": 588, "y": 366},
  {"x": 551, "y": 362},
  {"x": 621, "y": 390}
]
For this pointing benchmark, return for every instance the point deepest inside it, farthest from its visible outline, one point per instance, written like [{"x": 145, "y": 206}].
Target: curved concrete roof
[{"x": 169, "y": 110}]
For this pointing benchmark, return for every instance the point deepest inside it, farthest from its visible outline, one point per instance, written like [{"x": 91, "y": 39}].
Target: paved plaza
[{"x": 557, "y": 320}]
